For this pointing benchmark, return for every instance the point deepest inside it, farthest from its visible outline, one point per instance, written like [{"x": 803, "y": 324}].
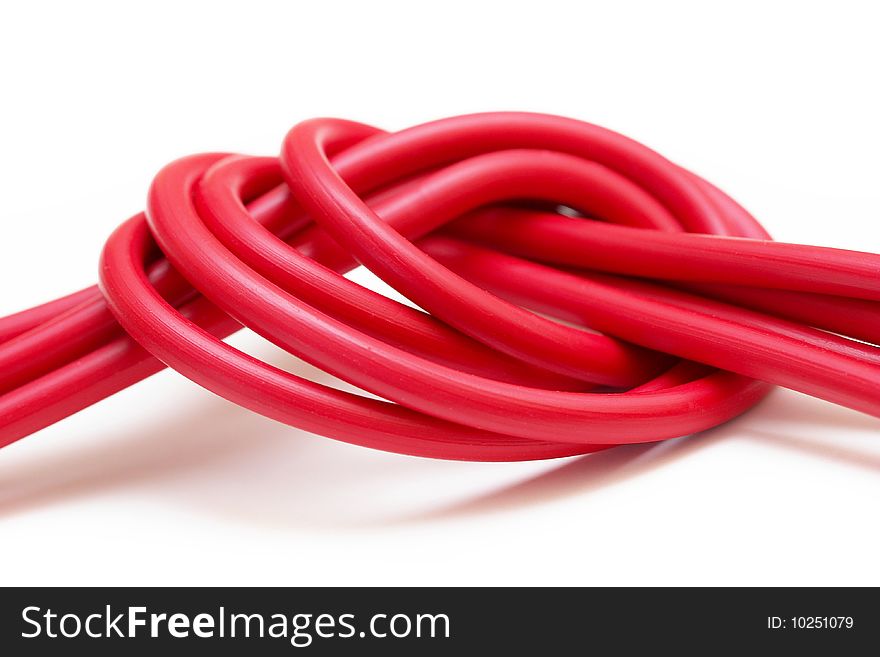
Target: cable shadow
[
  {"x": 842, "y": 455},
  {"x": 217, "y": 458},
  {"x": 160, "y": 453},
  {"x": 786, "y": 408},
  {"x": 581, "y": 476},
  {"x": 592, "y": 472}
]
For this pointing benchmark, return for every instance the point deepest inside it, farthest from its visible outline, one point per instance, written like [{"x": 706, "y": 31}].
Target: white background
[{"x": 166, "y": 484}]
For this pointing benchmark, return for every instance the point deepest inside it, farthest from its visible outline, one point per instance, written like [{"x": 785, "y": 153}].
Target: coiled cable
[{"x": 576, "y": 291}]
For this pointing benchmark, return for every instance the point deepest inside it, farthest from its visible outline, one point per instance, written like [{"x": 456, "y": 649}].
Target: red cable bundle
[{"x": 690, "y": 311}]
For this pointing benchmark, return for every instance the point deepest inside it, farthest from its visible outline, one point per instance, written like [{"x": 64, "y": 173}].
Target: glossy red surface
[{"x": 679, "y": 311}]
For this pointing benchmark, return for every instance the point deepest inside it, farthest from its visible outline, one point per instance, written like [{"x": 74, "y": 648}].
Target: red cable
[{"x": 678, "y": 311}]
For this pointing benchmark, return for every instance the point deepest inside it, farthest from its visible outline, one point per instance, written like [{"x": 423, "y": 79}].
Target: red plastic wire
[{"x": 678, "y": 311}]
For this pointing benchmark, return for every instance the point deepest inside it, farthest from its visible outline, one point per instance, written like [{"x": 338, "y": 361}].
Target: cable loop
[{"x": 575, "y": 291}]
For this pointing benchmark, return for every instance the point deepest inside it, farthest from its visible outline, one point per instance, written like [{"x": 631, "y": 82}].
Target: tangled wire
[{"x": 576, "y": 291}]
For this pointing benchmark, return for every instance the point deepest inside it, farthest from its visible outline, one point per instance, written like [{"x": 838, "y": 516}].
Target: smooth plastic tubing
[{"x": 575, "y": 291}]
